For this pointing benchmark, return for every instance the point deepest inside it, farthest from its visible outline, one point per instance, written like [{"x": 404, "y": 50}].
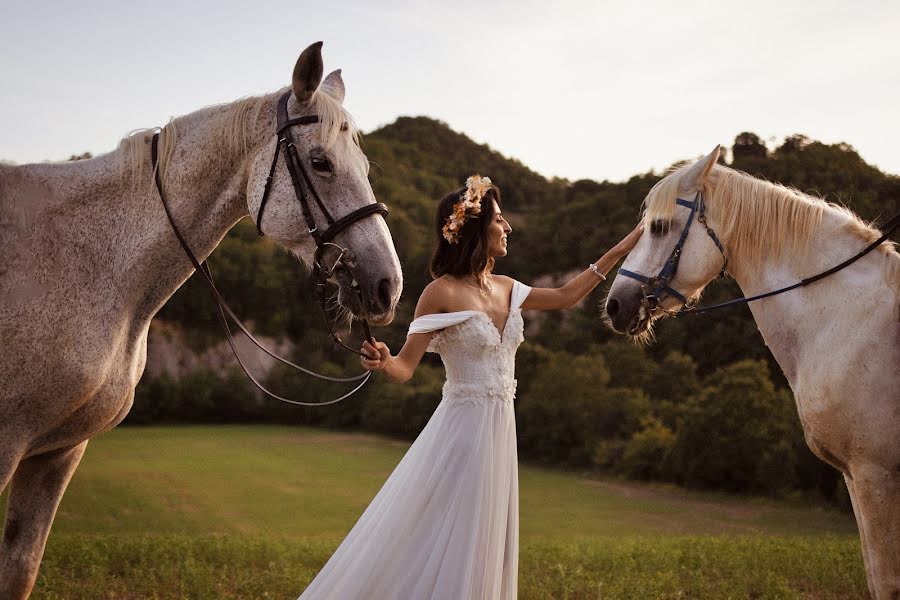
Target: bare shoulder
[
  {"x": 506, "y": 283},
  {"x": 504, "y": 280},
  {"x": 434, "y": 297}
]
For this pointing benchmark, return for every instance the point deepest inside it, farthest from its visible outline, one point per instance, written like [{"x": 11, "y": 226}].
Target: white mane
[{"x": 754, "y": 217}]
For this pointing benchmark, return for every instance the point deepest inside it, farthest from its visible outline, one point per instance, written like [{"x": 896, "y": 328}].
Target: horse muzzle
[
  {"x": 372, "y": 297},
  {"x": 625, "y": 311}
]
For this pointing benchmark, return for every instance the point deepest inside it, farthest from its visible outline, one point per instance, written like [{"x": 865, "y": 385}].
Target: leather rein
[
  {"x": 303, "y": 189},
  {"x": 659, "y": 285}
]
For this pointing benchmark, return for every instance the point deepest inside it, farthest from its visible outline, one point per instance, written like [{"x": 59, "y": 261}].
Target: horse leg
[
  {"x": 862, "y": 533},
  {"x": 8, "y": 462},
  {"x": 875, "y": 493},
  {"x": 34, "y": 494}
]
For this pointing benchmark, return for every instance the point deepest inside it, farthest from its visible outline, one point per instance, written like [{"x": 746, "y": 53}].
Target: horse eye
[
  {"x": 659, "y": 227},
  {"x": 320, "y": 163}
]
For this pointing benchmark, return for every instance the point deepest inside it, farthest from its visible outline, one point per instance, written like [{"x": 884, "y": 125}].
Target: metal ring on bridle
[{"x": 318, "y": 265}]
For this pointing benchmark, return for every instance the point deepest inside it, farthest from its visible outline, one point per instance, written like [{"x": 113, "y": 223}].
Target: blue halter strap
[{"x": 659, "y": 285}]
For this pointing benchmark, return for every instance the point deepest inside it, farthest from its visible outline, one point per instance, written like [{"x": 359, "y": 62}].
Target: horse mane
[
  {"x": 235, "y": 129},
  {"x": 754, "y": 217}
]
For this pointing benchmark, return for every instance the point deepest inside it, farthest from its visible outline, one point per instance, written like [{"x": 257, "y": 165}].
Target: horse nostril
[
  {"x": 384, "y": 292},
  {"x": 612, "y": 308}
]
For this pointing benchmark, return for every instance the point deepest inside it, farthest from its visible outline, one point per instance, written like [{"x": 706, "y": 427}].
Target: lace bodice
[{"x": 479, "y": 359}]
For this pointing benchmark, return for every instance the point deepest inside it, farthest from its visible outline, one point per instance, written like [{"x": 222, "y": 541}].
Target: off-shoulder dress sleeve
[
  {"x": 438, "y": 321},
  {"x": 520, "y": 291}
]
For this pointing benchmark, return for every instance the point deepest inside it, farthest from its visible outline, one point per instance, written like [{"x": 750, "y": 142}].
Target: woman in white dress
[{"x": 445, "y": 524}]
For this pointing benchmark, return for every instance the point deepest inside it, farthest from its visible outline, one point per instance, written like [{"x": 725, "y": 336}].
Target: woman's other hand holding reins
[{"x": 376, "y": 356}]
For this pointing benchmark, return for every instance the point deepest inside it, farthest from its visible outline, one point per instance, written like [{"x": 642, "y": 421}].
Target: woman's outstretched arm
[{"x": 581, "y": 285}]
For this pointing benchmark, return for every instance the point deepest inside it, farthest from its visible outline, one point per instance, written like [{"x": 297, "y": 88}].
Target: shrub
[{"x": 646, "y": 454}]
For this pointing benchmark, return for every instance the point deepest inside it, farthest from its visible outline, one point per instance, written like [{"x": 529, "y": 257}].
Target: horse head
[
  {"x": 677, "y": 256},
  {"x": 331, "y": 178}
]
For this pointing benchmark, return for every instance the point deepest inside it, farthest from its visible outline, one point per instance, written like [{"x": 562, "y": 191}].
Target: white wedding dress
[{"x": 445, "y": 525}]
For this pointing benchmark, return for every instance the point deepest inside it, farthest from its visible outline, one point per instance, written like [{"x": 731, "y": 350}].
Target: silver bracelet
[{"x": 596, "y": 271}]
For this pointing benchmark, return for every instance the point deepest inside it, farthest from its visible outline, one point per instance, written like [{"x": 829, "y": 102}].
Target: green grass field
[{"x": 254, "y": 512}]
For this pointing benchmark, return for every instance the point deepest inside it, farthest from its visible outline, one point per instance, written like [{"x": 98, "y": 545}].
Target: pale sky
[{"x": 574, "y": 89}]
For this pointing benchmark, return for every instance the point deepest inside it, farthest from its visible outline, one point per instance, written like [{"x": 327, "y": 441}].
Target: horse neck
[
  {"x": 801, "y": 323},
  {"x": 205, "y": 185}
]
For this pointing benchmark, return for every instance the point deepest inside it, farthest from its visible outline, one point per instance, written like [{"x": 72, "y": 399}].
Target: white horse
[
  {"x": 837, "y": 340},
  {"x": 87, "y": 258}
]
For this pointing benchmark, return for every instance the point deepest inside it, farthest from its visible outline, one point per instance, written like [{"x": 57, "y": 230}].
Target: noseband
[
  {"x": 323, "y": 239},
  {"x": 659, "y": 285}
]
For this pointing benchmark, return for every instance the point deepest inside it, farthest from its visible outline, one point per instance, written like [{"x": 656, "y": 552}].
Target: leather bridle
[
  {"x": 653, "y": 288},
  {"x": 659, "y": 285},
  {"x": 302, "y": 182},
  {"x": 303, "y": 189}
]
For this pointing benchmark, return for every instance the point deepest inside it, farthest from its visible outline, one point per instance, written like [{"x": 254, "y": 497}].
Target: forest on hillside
[{"x": 704, "y": 406}]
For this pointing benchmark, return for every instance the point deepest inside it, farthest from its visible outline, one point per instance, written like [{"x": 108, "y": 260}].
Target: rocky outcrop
[
  {"x": 534, "y": 319},
  {"x": 170, "y": 352}
]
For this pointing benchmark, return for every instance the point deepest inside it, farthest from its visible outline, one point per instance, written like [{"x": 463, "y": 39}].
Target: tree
[
  {"x": 748, "y": 145},
  {"x": 735, "y": 434},
  {"x": 565, "y": 409}
]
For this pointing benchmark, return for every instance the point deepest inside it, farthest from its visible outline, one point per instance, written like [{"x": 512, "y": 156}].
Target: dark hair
[{"x": 469, "y": 255}]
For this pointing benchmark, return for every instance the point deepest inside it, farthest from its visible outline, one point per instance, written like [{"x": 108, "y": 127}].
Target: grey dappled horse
[{"x": 87, "y": 258}]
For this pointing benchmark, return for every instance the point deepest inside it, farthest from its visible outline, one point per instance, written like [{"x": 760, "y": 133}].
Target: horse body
[
  {"x": 87, "y": 269},
  {"x": 843, "y": 373},
  {"x": 839, "y": 347},
  {"x": 88, "y": 258},
  {"x": 837, "y": 340},
  {"x": 837, "y": 344}
]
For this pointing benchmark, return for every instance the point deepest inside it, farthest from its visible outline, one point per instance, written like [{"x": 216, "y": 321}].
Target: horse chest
[
  {"x": 90, "y": 391},
  {"x": 102, "y": 410},
  {"x": 852, "y": 412}
]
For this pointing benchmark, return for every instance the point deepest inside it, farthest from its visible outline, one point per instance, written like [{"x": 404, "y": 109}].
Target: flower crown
[{"x": 469, "y": 205}]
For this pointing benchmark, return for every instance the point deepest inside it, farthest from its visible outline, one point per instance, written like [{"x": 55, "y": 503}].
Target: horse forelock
[
  {"x": 660, "y": 201},
  {"x": 332, "y": 118},
  {"x": 755, "y": 218}
]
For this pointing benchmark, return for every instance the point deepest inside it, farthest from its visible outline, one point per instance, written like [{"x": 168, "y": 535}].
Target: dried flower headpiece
[{"x": 469, "y": 205}]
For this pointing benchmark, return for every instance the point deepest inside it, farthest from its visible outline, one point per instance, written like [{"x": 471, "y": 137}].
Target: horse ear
[
  {"x": 700, "y": 170},
  {"x": 308, "y": 72},
  {"x": 334, "y": 86}
]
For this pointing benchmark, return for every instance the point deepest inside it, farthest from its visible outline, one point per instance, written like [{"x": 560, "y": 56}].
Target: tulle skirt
[{"x": 445, "y": 525}]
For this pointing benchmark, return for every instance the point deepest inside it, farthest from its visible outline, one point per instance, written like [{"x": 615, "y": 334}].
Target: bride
[{"x": 445, "y": 525}]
